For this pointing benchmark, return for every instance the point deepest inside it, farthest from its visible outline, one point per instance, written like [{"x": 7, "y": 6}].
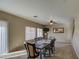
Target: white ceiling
[{"x": 61, "y": 10}]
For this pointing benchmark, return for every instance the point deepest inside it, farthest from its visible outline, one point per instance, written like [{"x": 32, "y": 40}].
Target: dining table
[{"x": 41, "y": 45}]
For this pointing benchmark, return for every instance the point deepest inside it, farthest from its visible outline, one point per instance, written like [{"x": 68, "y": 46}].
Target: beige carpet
[{"x": 63, "y": 52}]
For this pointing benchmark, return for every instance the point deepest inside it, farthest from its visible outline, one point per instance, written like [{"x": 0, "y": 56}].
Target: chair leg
[
  {"x": 49, "y": 51},
  {"x": 44, "y": 53},
  {"x": 27, "y": 57},
  {"x": 52, "y": 50}
]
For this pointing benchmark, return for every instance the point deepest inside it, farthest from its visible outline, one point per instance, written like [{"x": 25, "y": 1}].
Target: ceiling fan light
[{"x": 51, "y": 22}]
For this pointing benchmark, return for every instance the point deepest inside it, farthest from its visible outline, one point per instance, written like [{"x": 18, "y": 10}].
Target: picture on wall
[{"x": 58, "y": 30}]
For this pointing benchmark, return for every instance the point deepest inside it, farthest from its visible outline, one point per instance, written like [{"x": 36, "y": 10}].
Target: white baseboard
[{"x": 76, "y": 52}]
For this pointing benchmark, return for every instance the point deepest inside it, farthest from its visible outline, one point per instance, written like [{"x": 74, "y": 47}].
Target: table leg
[
  {"x": 44, "y": 52},
  {"x": 49, "y": 52},
  {"x": 40, "y": 54}
]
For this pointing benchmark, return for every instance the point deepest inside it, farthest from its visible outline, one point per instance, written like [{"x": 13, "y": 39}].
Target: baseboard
[
  {"x": 13, "y": 54},
  {"x": 63, "y": 42},
  {"x": 74, "y": 51}
]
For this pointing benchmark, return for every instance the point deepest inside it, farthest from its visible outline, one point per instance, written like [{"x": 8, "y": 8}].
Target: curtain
[{"x": 3, "y": 37}]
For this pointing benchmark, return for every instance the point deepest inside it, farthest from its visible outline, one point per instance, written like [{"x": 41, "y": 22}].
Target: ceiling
[{"x": 61, "y": 11}]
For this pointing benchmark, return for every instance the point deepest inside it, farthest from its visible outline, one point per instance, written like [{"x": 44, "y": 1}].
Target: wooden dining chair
[{"x": 31, "y": 51}]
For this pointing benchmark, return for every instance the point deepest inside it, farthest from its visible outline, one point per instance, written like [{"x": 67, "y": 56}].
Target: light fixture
[
  {"x": 35, "y": 16},
  {"x": 51, "y": 22}
]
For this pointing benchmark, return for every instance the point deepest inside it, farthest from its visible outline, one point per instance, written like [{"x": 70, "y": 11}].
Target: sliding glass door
[{"x": 3, "y": 37}]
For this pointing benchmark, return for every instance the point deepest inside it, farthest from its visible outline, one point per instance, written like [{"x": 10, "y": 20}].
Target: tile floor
[{"x": 63, "y": 52}]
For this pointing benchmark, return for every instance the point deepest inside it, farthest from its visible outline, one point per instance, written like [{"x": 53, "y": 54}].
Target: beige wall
[
  {"x": 17, "y": 30},
  {"x": 62, "y": 37}
]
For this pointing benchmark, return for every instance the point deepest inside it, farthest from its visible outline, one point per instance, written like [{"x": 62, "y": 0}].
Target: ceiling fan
[{"x": 51, "y": 22}]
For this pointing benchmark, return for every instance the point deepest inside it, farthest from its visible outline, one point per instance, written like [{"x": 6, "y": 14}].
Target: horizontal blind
[
  {"x": 39, "y": 32},
  {"x": 30, "y": 33}
]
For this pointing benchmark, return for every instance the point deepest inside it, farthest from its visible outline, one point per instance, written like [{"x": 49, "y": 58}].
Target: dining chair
[
  {"x": 51, "y": 46},
  {"x": 25, "y": 45},
  {"x": 31, "y": 51}
]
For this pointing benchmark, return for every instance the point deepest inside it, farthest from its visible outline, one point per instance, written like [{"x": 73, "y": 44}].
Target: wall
[
  {"x": 16, "y": 30},
  {"x": 75, "y": 41},
  {"x": 62, "y": 37}
]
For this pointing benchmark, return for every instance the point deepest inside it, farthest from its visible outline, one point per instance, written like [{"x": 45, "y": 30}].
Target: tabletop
[{"x": 40, "y": 44}]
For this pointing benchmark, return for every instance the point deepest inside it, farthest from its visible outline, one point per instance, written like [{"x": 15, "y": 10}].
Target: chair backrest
[
  {"x": 31, "y": 50},
  {"x": 25, "y": 45},
  {"x": 52, "y": 43},
  {"x": 39, "y": 38}
]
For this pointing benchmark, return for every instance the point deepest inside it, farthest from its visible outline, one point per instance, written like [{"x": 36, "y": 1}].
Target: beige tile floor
[{"x": 63, "y": 52}]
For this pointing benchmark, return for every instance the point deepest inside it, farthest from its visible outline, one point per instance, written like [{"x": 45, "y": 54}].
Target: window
[
  {"x": 39, "y": 32},
  {"x": 30, "y": 33},
  {"x": 3, "y": 37}
]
